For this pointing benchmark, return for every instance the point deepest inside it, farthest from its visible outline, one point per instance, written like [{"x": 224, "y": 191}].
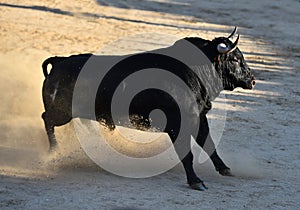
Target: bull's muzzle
[{"x": 251, "y": 83}]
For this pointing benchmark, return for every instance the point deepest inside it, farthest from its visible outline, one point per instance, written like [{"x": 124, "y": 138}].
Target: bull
[{"x": 224, "y": 55}]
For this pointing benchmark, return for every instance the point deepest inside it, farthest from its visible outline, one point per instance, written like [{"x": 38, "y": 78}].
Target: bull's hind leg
[
  {"x": 205, "y": 141},
  {"x": 50, "y": 132}
]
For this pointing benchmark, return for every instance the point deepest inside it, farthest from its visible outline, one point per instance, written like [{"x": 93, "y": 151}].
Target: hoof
[
  {"x": 225, "y": 172},
  {"x": 198, "y": 186},
  {"x": 52, "y": 149}
]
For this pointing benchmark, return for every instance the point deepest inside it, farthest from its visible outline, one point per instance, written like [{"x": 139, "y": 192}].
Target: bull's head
[
  {"x": 230, "y": 63},
  {"x": 228, "y": 60}
]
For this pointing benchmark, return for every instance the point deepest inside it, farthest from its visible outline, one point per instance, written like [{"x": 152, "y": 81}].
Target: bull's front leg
[
  {"x": 193, "y": 180},
  {"x": 182, "y": 146},
  {"x": 205, "y": 141}
]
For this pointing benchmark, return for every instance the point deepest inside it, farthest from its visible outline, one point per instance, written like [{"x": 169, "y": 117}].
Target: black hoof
[
  {"x": 198, "y": 186},
  {"x": 225, "y": 172}
]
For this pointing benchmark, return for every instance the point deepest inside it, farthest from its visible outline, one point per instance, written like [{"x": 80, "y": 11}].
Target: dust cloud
[
  {"x": 22, "y": 137},
  {"x": 244, "y": 164},
  {"x": 23, "y": 141}
]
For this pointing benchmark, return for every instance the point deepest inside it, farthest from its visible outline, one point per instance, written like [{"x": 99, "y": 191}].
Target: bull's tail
[{"x": 52, "y": 61}]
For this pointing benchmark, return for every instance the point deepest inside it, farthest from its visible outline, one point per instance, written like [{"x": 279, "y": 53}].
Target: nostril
[{"x": 253, "y": 83}]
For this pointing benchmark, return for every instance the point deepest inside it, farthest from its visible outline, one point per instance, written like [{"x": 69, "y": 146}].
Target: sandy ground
[{"x": 260, "y": 141}]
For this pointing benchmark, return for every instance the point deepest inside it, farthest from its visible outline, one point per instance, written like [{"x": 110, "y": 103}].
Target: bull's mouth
[{"x": 248, "y": 85}]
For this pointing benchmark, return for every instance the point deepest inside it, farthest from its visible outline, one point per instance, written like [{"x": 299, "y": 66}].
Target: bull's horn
[
  {"x": 232, "y": 33},
  {"x": 234, "y": 45},
  {"x": 222, "y": 48}
]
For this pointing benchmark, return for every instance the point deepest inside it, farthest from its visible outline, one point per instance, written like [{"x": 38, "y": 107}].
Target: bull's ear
[{"x": 224, "y": 49}]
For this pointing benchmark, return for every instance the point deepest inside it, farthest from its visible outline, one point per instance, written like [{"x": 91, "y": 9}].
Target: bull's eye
[{"x": 235, "y": 60}]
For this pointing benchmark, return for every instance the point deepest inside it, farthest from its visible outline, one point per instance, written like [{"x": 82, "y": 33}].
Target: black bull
[{"x": 223, "y": 54}]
